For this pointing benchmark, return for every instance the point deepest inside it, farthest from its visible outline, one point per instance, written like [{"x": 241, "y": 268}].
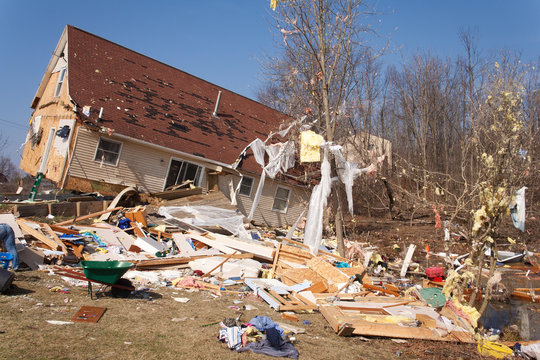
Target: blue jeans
[{"x": 8, "y": 238}]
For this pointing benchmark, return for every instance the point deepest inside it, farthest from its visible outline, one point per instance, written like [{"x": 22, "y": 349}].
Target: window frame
[
  {"x": 286, "y": 200},
  {"x": 201, "y": 171},
  {"x": 100, "y": 161},
  {"x": 250, "y": 187},
  {"x": 60, "y": 82}
]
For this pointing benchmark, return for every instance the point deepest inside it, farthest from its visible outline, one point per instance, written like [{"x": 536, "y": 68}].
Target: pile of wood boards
[{"x": 293, "y": 279}]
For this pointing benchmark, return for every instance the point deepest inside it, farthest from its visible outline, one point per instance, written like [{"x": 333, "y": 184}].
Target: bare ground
[{"x": 139, "y": 328}]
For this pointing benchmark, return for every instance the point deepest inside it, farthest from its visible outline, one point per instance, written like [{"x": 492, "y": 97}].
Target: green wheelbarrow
[{"x": 107, "y": 273}]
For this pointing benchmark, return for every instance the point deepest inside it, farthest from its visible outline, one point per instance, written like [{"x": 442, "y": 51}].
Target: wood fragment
[
  {"x": 220, "y": 264},
  {"x": 89, "y": 216}
]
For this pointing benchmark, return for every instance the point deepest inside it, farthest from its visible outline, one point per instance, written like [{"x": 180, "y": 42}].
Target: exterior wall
[
  {"x": 141, "y": 166},
  {"x": 298, "y": 201},
  {"x": 50, "y": 113}
]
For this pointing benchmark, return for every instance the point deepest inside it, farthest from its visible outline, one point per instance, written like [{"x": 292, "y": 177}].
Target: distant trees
[
  {"x": 438, "y": 113},
  {"x": 7, "y": 167}
]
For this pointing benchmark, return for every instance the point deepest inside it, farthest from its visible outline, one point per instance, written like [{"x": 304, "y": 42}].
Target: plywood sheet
[{"x": 327, "y": 271}]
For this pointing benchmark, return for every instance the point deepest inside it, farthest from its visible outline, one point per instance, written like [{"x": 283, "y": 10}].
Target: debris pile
[{"x": 367, "y": 296}]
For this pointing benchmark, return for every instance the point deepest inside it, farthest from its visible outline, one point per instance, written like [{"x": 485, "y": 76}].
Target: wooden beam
[
  {"x": 38, "y": 235},
  {"x": 55, "y": 237},
  {"x": 89, "y": 216},
  {"x": 220, "y": 264}
]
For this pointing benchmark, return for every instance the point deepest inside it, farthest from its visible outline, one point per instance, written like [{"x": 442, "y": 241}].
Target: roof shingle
[{"x": 148, "y": 100}]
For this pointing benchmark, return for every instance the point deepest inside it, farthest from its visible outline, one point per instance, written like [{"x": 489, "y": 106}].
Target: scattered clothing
[{"x": 265, "y": 347}]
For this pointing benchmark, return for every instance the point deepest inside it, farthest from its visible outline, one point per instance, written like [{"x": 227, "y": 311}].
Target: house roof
[{"x": 145, "y": 99}]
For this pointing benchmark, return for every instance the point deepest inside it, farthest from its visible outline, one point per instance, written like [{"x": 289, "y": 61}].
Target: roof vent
[{"x": 215, "y": 114}]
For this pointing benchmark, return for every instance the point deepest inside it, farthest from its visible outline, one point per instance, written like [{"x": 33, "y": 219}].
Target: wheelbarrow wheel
[{"x": 121, "y": 292}]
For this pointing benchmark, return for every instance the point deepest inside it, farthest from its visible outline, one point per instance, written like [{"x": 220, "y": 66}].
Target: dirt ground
[{"x": 153, "y": 325}]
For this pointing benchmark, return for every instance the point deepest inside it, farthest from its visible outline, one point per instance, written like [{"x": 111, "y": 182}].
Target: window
[
  {"x": 281, "y": 200},
  {"x": 59, "y": 83},
  {"x": 108, "y": 152},
  {"x": 245, "y": 186},
  {"x": 180, "y": 171}
]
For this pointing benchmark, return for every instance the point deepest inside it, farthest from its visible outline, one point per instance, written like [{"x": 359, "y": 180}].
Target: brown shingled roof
[{"x": 148, "y": 100}]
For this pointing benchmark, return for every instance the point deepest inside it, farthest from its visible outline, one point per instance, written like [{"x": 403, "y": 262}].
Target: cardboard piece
[{"x": 89, "y": 314}]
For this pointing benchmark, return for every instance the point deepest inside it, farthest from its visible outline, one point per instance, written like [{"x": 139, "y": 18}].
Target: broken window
[
  {"x": 281, "y": 199},
  {"x": 246, "y": 185},
  {"x": 180, "y": 171},
  {"x": 108, "y": 152},
  {"x": 59, "y": 83}
]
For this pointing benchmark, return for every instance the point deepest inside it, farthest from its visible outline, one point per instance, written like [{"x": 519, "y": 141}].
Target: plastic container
[
  {"x": 5, "y": 259},
  {"x": 108, "y": 272}
]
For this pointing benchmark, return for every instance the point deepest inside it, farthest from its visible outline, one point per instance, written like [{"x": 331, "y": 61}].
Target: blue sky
[{"x": 222, "y": 41}]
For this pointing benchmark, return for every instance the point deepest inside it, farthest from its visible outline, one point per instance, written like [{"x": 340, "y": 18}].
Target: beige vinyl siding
[
  {"x": 264, "y": 214},
  {"x": 138, "y": 165}
]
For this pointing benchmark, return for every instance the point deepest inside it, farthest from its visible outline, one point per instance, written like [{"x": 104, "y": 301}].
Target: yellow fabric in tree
[{"x": 310, "y": 146}]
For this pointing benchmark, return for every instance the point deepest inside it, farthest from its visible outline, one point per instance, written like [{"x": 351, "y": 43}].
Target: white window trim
[
  {"x": 61, "y": 80},
  {"x": 119, "y": 151},
  {"x": 203, "y": 170},
  {"x": 288, "y": 199},
  {"x": 251, "y": 187}
]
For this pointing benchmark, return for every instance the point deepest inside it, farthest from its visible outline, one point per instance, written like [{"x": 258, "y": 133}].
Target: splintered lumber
[
  {"x": 220, "y": 264},
  {"x": 89, "y": 216},
  {"x": 381, "y": 289},
  {"x": 64, "y": 230},
  {"x": 55, "y": 237},
  {"x": 38, "y": 235}
]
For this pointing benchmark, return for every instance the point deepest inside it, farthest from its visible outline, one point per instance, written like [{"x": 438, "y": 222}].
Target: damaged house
[{"x": 106, "y": 117}]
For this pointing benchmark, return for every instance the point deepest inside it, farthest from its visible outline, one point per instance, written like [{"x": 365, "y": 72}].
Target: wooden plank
[
  {"x": 259, "y": 250},
  {"x": 407, "y": 260},
  {"x": 279, "y": 298},
  {"x": 212, "y": 243},
  {"x": 89, "y": 216},
  {"x": 220, "y": 264},
  {"x": 274, "y": 264},
  {"x": 297, "y": 307},
  {"x": 64, "y": 230},
  {"x": 55, "y": 237},
  {"x": 381, "y": 289},
  {"x": 320, "y": 251},
  {"x": 38, "y": 235}
]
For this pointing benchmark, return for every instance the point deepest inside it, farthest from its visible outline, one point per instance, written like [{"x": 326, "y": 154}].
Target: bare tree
[{"x": 323, "y": 44}]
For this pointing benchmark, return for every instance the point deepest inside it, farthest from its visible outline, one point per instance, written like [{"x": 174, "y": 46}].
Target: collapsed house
[{"x": 106, "y": 118}]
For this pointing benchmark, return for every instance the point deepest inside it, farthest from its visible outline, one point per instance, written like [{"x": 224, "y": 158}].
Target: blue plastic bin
[{"x": 5, "y": 258}]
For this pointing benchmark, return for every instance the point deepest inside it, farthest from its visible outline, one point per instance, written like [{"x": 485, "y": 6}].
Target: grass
[{"x": 136, "y": 328}]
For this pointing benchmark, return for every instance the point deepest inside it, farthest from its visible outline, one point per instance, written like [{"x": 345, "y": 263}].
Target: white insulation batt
[{"x": 232, "y": 268}]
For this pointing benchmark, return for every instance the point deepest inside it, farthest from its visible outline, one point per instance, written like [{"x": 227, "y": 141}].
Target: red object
[{"x": 435, "y": 272}]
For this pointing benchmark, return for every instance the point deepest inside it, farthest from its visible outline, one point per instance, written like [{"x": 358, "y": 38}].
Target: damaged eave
[{"x": 52, "y": 63}]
